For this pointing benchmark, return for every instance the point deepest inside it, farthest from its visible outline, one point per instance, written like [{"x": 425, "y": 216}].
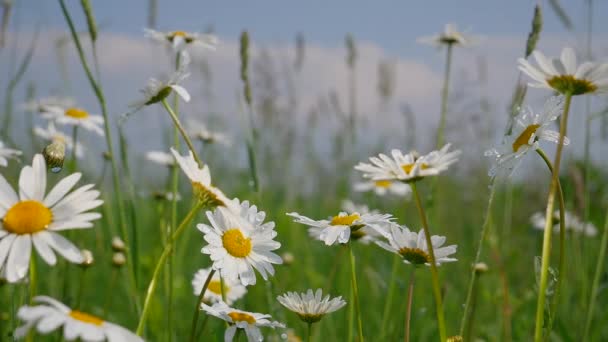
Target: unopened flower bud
[
  {"x": 54, "y": 155},
  {"x": 288, "y": 258},
  {"x": 480, "y": 267},
  {"x": 87, "y": 257},
  {"x": 456, "y": 338},
  {"x": 117, "y": 244},
  {"x": 118, "y": 259}
]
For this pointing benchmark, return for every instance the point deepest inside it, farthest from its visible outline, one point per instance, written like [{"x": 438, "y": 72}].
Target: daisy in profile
[
  {"x": 564, "y": 75},
  {"x": 573, "y": 223},
  {"x": 238, "y": 319},
  {"x": 157, "y": 90},
  {"x": 413, "y": 248},
  {"x": 340, "y": 228},
  {"x": 51, "y": 134},
  {"x": 161, "y": 158},
  {"x": 528, "y": 130},
  {"x": 31, "y": 218},
  {"x": 309, "y": 306},
  {"x": 233, "y": 290},
  {"x": 200, "y": 178},
  {"x": 449, "y": 36},
  {"x": 41, "y": 105},
  {"x": 198, "y": 130},
  {"x": 7, "y": 153},
  {"x": 240, "y": 242},
  {"x": 74, "y": 116},
  {"x": 178, "y": 40},
  {"x": 383, "y": 187},
  {"x": 408, "y": 167},
  {"x": 50, "y": 315}
]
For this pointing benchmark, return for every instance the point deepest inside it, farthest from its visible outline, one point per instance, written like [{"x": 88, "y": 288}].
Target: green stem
[
  {"x": 160, "y": 263},
  {"x": 546, "y": 254},
  {"x": 444, "y": 97},
  {"x": 33, "y": 279},
  {"x": 389, "y": 297},
  {"x": 562, "y": 239},
  {"x": 74, "y": 144},
  {"x": 108, "y": 134},
  {"x": 309, "y": 336},
  {"x": 182, "y": 130},
  {"x": 410, "y": 297},
  {"x": 199, "y": 301},
  {"x": 80, "y": 288},
  {"x": 434, "y": 273},
  {"x": 109, "y": 291},
  {"x": 353, "y": 274}
]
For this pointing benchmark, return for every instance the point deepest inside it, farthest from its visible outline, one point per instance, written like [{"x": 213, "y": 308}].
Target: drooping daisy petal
[
  {"x": 412, "y": 246},
  {"x": 309, "y": 306}
]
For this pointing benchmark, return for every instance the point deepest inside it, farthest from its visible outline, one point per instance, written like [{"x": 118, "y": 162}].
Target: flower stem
[
  {"x": 309, "y": 336},
  {"x": 181, "y": 129},
  {"x": 389, "y": 297},
  {"x": 434, "y": 273},
  {"x": 81, "y": 287},
  {"x": 74, "y": 144},
  {"x": 161, "y": 262},
  {"x": 33, "y": 279},
  {"x": 408, "y": 313},
  {"x": 562, "y": 239},
  {"x": 444, "y": 97},
  {"x": 353, "y": 274},
  {"x": 197, "y": 309},
  {"x": 108, "y": 301},
  {"x": 540, "y": 305}
]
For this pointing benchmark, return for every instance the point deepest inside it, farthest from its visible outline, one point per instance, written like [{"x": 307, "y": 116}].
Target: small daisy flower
[
  {"x": 383, "y": 187},
  {"x": 33, "y": 218},
  {"x": 564, "y": 75},
  {"x": 449, "y": 36},
  {"x": 178, "y": 40},
  {"x": 408, "y": 167},
  {"x": 161, "y": 158},
  {"x": 198, "y": 130},
  {"x": 7, "y": 153},
  {"x": 74, "y": 116},
  {"x": 309, "y": 306},
  {"x": 157, "y": 90},
  {"x": 50, "y": 315},
  {"x": 364, "y": 235},
  {"x": 240, "y": 242},
  {"x": 233, "y": 290},
  {"x": 238, "y": 319},
  {"x": 51, "y": 134},
  {"x": 413, "y": 248},
  {"x": 42, "y": 105},
  {"x": 341, "y": 227},
  {"x": 529, "y": 129},
  {"x": 572, "y": 221},
  {"x": 201, "y": 181}
]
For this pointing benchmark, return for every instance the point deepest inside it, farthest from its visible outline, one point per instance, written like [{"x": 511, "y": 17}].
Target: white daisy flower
[
  {"x": 31, "y": 218},
  {"x": 161, "y": 158},
  {"x": 413, "y": 248},
  {"x": 239, "y": 241},
  {"x": 383, "y": 187},
  {"x": 408, "y": 167},
  {"x": 51, "y": 134},
  {"x": 340, "y": 228},
  {"x": 572, "y": 221},
  {"x": 178, "y": 40},
  {"x": 238, "y": 319},
  {"x": 198, "y": 130},
  {"x": 51, "y": 314},
  {"x": 41, "y": 105},
  {"x": 233, "y": 290},
  {"x": 529, "y": 128},
  {"x": 74, "y": 116},
  {"x": 564, "y": 75},
  {"x": 157, "y": 90},
  {"x": 309, "y": 306},
  {"x": 364, "y": 235},
  {"x": 449, "y": 36},
  {"x": 201, "y": 181},
  {"x": 7, "y": 153}
]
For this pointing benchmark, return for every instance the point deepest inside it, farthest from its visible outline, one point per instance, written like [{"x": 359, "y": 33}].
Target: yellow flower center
[
  {"x": 183, "y": 34},
  {"x": 76, "y": 113},
  {"x": 524, "y": 137},
  {"x": 215, "y": 286},
  {"x": 568, "y": 84},
  {"x": 235, "y": 243},
  {"x": 407, "y": 168},
  {"x": 27, "y": 217},
  {"x": 178, "y": 34},
  {"x": 86, "y": 318},
  {"x": 241, "y": 317},
  {"x": 382, "y": 183},
  {"x": 346, "y": 220},
  {"x": 415, "y": 256}
]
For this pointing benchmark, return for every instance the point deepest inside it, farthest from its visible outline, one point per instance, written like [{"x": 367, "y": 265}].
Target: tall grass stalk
[
  {"x": 434, "y": 273},
  {"x": 410, "y": 299},
  {"x": 161, "y": 262},
  {"x": 199, "y": 301},
  {"x": 389, "y": 297},
  {"x": 182, "y": 131},
  {"x": 353, "y": 274},
  {"x": 108, "y": 134},
  {"x": 546, "y": 253}
]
